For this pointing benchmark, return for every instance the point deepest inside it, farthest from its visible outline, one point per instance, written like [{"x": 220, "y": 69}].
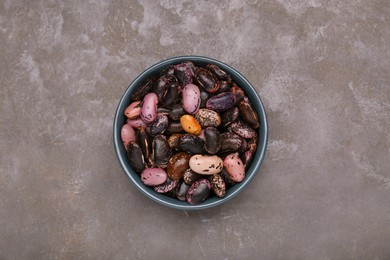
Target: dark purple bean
[
  {"x": 191, "y": 144},
  {"x": 158, "y": 126},
  {"x": 135, "y": 157},
  {"x": 212, "y": 143},
  {"x": 184, "y": 74},
  {"x": 204, "y": 96},
  {"x": 224, "y": 86},
  {"x": 171, "y": 95},
  {"x": 174, "y": 128},
  {"x": 229, "y": 142},
  {"x": 198, "y": 191},
  {"x": 238, "y": 92},
  {"x": 221, "y": 102},
  {"x": 218, "y": 72},
  {"x": 229, "y": 116},
  {"x": 176, "y": 112},
  {"x": 145, "y": 142},
  {"x": 162, "y": 85},
  {"x": 181, "y": 191},
  {"x": 207, "y": 80},
  {"x": 248, "y": 113},
  {"x": 161, "y": 151},
  {"x": 243, "y": 129}
]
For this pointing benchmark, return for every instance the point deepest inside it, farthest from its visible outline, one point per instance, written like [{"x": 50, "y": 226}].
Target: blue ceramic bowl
[{"x": 120, "y": 119}]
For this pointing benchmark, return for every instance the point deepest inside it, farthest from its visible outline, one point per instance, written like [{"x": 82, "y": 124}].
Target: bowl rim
[{"x": 255, "y": 165}]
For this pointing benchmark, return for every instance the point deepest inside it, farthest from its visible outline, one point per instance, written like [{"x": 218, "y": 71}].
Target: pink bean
[
  {"x": 149, "y": 108},
  {"x": 206, "y": 164},
  {"x": 127, "y": 134},
  {"x": 235, "y": 167},
  {"x": 191, "y": 98},
  {"x": 133, "y": 110},
  {"x": 136, "y": 123},
  {"x": 153, "y": 176}
]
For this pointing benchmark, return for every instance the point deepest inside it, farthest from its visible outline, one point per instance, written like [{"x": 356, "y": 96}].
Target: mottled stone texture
[{"x": 322, "y": 69}]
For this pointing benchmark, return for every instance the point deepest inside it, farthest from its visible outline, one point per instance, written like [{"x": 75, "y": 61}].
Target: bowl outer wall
[{"x": 249, "y": 90}]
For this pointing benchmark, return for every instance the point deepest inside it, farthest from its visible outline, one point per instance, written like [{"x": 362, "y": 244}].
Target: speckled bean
[
  {"x": 243, "y": 129},
  {"x": 149, "y": 108},
  {"x": 235, "y": 167},
  {"x": 153, "y": 176},
  {"x": 191, "y": 98},
  {"x": 198, "y": 191},
  {"x": 207, "y": 117},
  {"x": 206, "y": 164},
  {"x": 218, "y": 185},
  {"x": 167, "y": 186}
]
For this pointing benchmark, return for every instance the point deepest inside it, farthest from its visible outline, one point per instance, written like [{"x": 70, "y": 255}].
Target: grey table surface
[{"x": 322, "y": 69}]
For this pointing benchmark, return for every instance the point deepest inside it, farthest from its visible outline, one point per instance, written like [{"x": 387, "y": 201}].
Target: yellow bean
[{"x": 190, "y": 125}]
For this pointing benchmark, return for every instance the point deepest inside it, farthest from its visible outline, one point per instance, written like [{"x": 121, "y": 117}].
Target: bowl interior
[{"x": 120, "y": 119}]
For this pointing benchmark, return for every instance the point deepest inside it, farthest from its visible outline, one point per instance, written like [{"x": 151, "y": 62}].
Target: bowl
[{"x": 250, "y": 92}]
